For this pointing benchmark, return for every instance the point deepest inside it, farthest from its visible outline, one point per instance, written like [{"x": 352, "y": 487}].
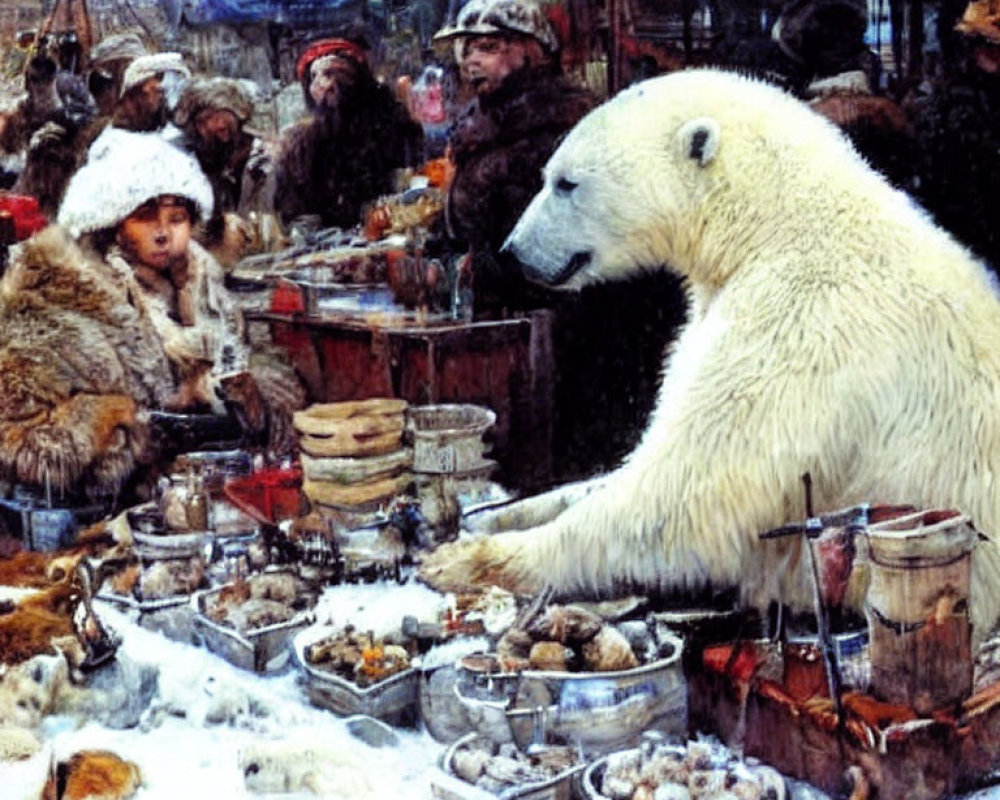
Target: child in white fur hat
[{"x": 114, "y": 312}]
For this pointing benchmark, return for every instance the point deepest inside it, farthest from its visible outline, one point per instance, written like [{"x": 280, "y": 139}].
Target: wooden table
[{"x": 503, "y": 364}]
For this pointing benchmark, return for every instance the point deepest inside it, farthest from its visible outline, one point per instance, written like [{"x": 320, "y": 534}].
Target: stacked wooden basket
[{"x": 353, "y": 458}]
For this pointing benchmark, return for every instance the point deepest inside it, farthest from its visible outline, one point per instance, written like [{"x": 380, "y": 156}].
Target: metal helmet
[{"x": 497, "y": 17}]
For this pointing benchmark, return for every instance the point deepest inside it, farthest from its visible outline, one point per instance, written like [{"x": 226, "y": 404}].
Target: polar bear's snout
[
  {"x": 545, "y": 257},
  {"x": 536, "y": 267}
]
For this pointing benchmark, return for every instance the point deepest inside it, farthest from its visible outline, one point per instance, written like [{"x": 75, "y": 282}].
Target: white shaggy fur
[
  {"x": 25, "y": 764},
  {"x": 32, "y": 689},
  {"x": 295, "y": 765},
  {"x": 832, "y": 329}
]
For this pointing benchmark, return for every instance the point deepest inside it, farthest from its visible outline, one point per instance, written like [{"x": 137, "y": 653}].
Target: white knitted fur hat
[
  {"x": 122, "y": 172},
  {"x": 146, "y": 67}
]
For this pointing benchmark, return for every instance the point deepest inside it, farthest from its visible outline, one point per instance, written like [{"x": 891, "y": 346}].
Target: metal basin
[
  {"x": 393, "y": 700},
  {"x": 259, "y": 650},
  {"x": 446, "y": 785},
  {"x": 602, "y": 711}
]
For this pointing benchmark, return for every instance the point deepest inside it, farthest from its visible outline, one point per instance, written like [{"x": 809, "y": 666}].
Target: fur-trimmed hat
[
  {"x": 122, "y": 172},
  {"x": 224, "y": 94},
  {"x": 146, "y": 67},
  {"x": 118, "y": 47}
]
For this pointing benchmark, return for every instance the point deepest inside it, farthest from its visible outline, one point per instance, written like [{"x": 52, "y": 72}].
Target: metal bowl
[
  {"x": 393, "y": 700},
  {"x": 602, "y": 711},
  {"x": 446, "y": 785},
  {"x": 259, "y": 650},
  {"x": 487, "y": 693}
]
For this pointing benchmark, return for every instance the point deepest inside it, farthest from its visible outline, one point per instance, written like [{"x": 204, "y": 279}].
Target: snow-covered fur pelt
[
  {"x": 32, "y": 689},
  {"x": 77, "y": 360},
  {"x": 25, "y": 764},
  {"x": 832, "y": 329},
  {"x": 98, "y": 197},
  {"x": 282, "y": 766}
]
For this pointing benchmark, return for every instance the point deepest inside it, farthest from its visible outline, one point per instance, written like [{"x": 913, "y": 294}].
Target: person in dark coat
[
  {"x": 607, "y": 346},
  {"x": 346, "y": 152},
  {"x": 45, "y": 126},
  {"x": 523, "y": 106},
  {"x": 958, "y": 130},
  {"x": 211, "y": 115}
]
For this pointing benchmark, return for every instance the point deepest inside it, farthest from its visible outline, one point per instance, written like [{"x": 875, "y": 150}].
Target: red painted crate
[{"x": 270, "y": 495}]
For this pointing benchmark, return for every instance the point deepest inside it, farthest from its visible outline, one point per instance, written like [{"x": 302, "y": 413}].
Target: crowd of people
[{"x": 151, "y": 173}]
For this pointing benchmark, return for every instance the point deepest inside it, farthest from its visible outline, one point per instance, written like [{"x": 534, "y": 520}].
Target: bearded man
[{"x": 345, "y": 153}]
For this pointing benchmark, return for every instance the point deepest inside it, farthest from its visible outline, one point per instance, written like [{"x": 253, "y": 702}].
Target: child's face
[{"x": 157, "y": 233}]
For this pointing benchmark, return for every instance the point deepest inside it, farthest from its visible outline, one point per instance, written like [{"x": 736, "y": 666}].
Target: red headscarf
[{"x": 329, "y": 47}]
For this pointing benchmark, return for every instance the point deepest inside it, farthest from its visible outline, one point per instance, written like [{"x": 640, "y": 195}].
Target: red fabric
[
  {"x": 328, "y": 47},
  {"x": 25, "y": 211},
  {"x": 721, "y": 660}
]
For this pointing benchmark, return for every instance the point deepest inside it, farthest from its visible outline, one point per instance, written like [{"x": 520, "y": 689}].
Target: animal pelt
[
  {"x": 42, "y": 623},
  {"x": 283, "y": 393},
  {"x": 295, "y": 766},
  {"x": 33, "y": 689},
  {"x": 27, "y": 568},
  {"x": 78, "y": 357},
  {"x": 95, "y": 775},
  {"x": 17, "y": 743},
  {"x": 832, "y": 329},
  {"x": 34, "y": 569},
  {"x": 25, "y": 764}
]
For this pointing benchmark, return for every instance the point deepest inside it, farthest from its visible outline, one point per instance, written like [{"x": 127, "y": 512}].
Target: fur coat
[
  {"x": 88, "y": 345},
  {"x": 332, "y": 164},
  {"x": 499, "y": 145},
  {"x": 79, "y": 357}
]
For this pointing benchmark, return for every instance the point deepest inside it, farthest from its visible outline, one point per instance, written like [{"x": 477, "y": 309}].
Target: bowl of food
[{"x": 349, "y": 672}]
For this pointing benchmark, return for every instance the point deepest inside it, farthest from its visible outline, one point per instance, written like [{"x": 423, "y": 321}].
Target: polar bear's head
[{"x": 687, "y": 170}]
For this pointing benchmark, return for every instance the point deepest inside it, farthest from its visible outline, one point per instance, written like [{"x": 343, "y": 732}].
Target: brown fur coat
[
  {"x": 86, "y": 347},
  {"x": 78, "y": 358}
]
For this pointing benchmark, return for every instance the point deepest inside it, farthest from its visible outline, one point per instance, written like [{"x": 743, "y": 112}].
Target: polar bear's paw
[{"x": 479, "y": 561}]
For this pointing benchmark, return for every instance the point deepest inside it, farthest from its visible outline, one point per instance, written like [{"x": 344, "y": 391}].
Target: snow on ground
[{"x": 186, "y": 754}]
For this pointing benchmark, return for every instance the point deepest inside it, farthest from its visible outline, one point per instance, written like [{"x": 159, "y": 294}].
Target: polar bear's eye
[{"x": 565, "y": 186}]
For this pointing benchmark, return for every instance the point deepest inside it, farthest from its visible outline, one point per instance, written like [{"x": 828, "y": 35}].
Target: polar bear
[{"x": 832, "y": 330}]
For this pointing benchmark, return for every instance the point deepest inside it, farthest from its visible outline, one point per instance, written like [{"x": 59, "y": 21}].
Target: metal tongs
[{"x": 853, "y": 520}]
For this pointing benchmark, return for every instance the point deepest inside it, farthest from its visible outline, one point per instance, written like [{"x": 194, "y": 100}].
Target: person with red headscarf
[{"x": 344, "y": 154}]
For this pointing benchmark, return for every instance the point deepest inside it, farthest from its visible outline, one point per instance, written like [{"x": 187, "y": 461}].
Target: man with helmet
[
  {"x": 523, "y": 105},
  {"x": 344, "y": 154}
]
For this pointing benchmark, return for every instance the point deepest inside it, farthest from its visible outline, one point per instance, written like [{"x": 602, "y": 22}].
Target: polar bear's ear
[{"x": 699, "y": 139}]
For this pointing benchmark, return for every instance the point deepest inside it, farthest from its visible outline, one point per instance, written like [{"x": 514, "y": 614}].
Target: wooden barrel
[{"x": 918, "y": 609}]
